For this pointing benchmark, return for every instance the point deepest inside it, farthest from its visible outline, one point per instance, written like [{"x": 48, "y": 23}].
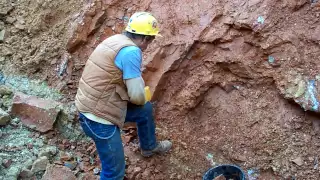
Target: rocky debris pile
[
  {"x": 28, "y": 154},
  {"x": 34, "y": 143},
  {"x": 18, "y": 150}
]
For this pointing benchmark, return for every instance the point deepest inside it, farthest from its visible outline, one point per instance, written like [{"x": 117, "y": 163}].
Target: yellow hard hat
[{"x": 143, "y": 23}]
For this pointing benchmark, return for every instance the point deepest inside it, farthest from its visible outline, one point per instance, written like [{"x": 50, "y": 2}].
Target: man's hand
[{"x": 136, "y": 92}]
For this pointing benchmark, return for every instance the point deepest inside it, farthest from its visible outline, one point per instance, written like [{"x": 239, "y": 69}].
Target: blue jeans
[{"x": 108, "y": 140}]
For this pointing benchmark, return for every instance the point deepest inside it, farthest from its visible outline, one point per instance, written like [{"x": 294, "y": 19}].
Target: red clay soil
[{"x": 225, "y": 78}]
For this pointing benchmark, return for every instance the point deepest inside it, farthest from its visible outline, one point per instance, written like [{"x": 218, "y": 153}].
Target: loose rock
[
  {"x": 2, "y": 32},
  {"x": 40, "y": 164},
  {"x": 10, "y": 19},
  {"x": 146, "y": 174},
  {"x": 48, "y": 152},
  {"x": 298, "y": 161},
  {"x": 26, "y": 173},
  {"x": 96, "y": 171},
  {"x": 35, "y": 113},
  {"x": 88, "y": 176},
  {"x": 6, "y": 163},
  {"x": 4, "y": 117},
  {"x": 136, "y": 171},
  {"x": 55, "y": 172},
  {"x": 4, "y": 90},
  {"x": 71, "y": 164}
]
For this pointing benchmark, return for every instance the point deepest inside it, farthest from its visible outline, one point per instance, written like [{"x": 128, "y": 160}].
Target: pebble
[
  {"x": 28, "y": 164},
  {"x": 2, "y": 33},
  {"x": 7, "y": 163},
  {"x": 29, "y": 146},
  {"x": 4, "y": 117},
  {"x": 40, "y": 164},
  {"x": 298, "y": 161},
  {"x": 10, "y": 20},
  {"x": 146, "y": 174},
  {"x": 25, "y": 173},
  {"x": 20, "y": 26},
  {"x": 96, "y": 171},
  {"x": 71, "y": 164},
  {"x": 48, "y": 151}
]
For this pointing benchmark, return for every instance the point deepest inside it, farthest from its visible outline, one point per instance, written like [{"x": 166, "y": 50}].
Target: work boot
[{"x": 162, "y": 147}]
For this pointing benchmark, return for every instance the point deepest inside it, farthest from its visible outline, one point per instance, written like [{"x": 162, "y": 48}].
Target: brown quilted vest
[{"x": 101, "y": 90}]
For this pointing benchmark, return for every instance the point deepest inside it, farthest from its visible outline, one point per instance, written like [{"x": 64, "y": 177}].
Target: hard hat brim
[{"x": 157, "y": 35}]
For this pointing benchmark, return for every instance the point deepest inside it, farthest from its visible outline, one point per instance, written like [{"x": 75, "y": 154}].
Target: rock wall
[{"x": 261, "y": 53}]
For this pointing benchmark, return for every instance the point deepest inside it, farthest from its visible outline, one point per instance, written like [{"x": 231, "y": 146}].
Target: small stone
[
  {"x": 58, "y": 163},
  {"x": 134, "y": 172},
  {"x": 65, "y": 157},
  {"x": 29, "y": 146},
  {"x": 28, "y": 164},
  {"x": 48, "y": 151},
  {"x": 96, "y": 171},
  {"x": 40, "y": 164},
  {"x": 37, "y": 135},
  {"x": 4, "y": 117},
  {"x": 5, "y": 8},
  {"x": 146, "y": 174},
  {"x": 70, "y": 164},
  {"x": 139, "y": 176},
  {"x": 55, "y": 172},
  {"x": 239, "y": 158},
  {"x": 6, "y": 163},
  {"x": 19, "y": 26},
  {"x": 137, "y": 170},
  {"x": 25, "y": 173},
  {"x": 10, "y": 20},
  {"x": 88, "y": 176},
  {"x": 86, "y": 159},
  {"x": 4, "y": 90},
  {"x": 298, "y": 161},
  {"x": 2, "y": 33}
]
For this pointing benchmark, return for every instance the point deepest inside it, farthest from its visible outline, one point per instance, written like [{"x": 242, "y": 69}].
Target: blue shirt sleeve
[{"x": 129, "y": 60}]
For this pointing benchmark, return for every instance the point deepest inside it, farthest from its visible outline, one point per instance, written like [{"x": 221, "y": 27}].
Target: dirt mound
[
  {"x": 35, "y": 34},
  {"x": 229, "y": 77}
]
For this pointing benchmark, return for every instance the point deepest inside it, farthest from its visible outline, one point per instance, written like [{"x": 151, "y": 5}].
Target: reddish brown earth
[{"x": 229, "y": 77}]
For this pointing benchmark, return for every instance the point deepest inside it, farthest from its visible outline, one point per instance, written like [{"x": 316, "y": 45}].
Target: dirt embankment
[{"x": 228, "y": 77}]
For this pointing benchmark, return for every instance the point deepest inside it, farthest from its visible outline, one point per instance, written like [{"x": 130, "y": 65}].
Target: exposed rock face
[{"x": 260, "y": 52}]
